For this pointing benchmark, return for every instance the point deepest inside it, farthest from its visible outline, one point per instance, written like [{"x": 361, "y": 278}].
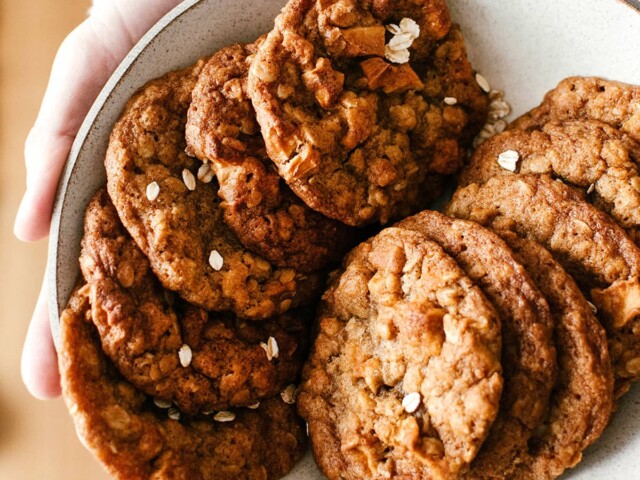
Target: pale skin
[{"x": 83, "y": 64}]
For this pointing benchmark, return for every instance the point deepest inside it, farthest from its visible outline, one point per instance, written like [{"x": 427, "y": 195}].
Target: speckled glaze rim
[{"x": 633, "y": 4}]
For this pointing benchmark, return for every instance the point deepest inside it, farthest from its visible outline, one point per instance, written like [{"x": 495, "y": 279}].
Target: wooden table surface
[{"x": 37, "y": 439}]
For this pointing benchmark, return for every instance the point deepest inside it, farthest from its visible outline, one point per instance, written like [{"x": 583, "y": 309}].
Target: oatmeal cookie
[
  {"x": 135, "y": 440},
  {"x": 582, "y": 398},
  {"x": 172, "y": 350},
  {"x": 352, "y": 133},
  {"x": 258, "y": 205},
  {"x": 404, "y": 379},
  {"x": 604, "y": 261},
  {"x": 528, "y": 354},
  {"x": 589, "y": 155},
  {"x": 615, "y": 103},
  {"x": 177, "y": 222}
]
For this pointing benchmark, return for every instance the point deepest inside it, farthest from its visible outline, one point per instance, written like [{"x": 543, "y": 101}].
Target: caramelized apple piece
[
  {"x": 363, "y": 41},
  {"x": 391, "y": 78}
]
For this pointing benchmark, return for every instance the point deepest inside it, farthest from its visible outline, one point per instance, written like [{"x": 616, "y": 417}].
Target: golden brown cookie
[
  {"x": 258, "y": 205},
  {"x": 615, "y": 103},
  {"x": 528, "y": 354},
  {"x": 353, "y": 133},
  {"x": 135, "y": 440},
  {"x": 582, "y": 398},
  {"x": 589, "y": 155},
  {"x": 174, "y": 351},
  {"x": 178, "y": 221},
  {"x": 404, "y": 379},
  {"x": 585, "y": 241}
]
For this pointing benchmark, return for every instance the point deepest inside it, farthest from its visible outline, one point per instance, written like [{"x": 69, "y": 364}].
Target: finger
[
  {"x": 46, "y": 152},
  {"x": 82, "y": 66},
  {"x": 39, "y": 358},
  {"x": 79, "y": 71}
]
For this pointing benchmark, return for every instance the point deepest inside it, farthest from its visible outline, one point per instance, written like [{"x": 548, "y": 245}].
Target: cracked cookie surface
[
  {"x": 259, "y": 207},
  {"x": 599, "y": 255},
  {"x": 182, "y": 230},
  {"x": 353, "y": 134},
  {"x": 589, "y": 155},
  {"x": 615, "y": 103},
  {"x": 528, "y": 352},
  {"x": 135, "y": 440},
  {"x": 404, "y": 378},
  {"x": 143, "y": 327}
]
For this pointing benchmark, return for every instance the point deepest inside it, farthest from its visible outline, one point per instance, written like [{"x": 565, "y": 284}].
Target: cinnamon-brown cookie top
[
  {"x": 587, "y": 154},
  {"x": 404, "y": 379},
  {"x": 582, "y": 398},
  {"x": 615, "y": 103},
  {"x": 136, "y": 440},
  {"x": 354, "y": 116},
  {"x": 177, "y": 221},
  {"x": 604, "y": 261},
  {"x": 174, "y": 351},
  {"x": 258, "y": 205},
  {"x": 528, "y": 352}
]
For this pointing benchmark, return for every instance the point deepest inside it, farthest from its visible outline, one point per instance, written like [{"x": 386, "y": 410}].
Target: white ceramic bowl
[{"x": 522, "y": 47}]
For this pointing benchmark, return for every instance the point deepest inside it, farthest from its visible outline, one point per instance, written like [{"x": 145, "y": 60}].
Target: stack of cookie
[
  {"x": 494, "y": 341},
  {"x": 573, "y": 186},
  {"x": 233, "y": 186}
]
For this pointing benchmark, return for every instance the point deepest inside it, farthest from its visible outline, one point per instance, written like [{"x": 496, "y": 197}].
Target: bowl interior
[{"x": 521, "y": 47}]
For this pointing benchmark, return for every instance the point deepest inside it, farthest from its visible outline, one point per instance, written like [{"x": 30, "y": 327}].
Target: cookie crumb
[
  {"x": 484, "y": 84},
  {"x": 266, "y": 349},
  {"x": 450, "y": 100},
  {"x": 188, "y": 179},
  {"x": 270, "y": 348},
  {"x": 288, "y": 395},
  {"x": 205, "y": 174},
  {"x": 272, "y": 345},
  {"x": 393, "y": 28},
  {"x": 161, "y": 403},
  {"x": 153, "y": 190},
  {"x": 411, "y": 402},
  {"x": 397, "y": 50},
  {"x": 509, "y": 160},
  {"x": 500, "y": 126},
  {"x": 498, "y": 110},
  {"x": 401, "y": 56},
  {"x": 215, "y": 260},
  {"x": 185, "y": 355},
  {"x": 224, "y": 416}
]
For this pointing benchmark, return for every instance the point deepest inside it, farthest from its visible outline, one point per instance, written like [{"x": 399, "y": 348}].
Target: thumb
[{"x": 83, "y": 64}]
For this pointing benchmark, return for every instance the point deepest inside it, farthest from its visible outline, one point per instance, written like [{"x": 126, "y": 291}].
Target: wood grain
[{"x": 37, "y": 439}]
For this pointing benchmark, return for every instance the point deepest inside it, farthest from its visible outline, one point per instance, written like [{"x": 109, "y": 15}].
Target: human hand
[{"x": 85, "y": 61}]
